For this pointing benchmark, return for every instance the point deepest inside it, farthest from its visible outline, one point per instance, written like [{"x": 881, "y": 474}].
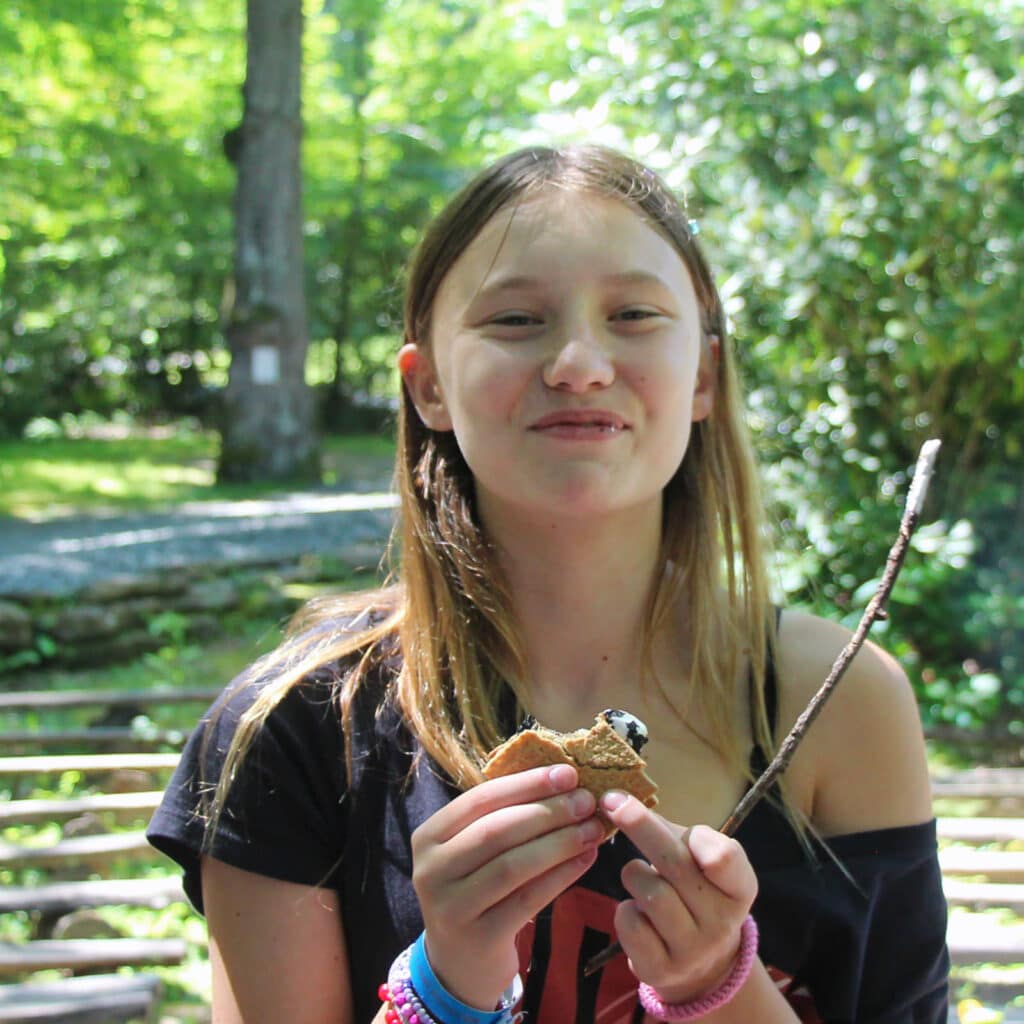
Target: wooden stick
[{"x": 874, "y": 611}]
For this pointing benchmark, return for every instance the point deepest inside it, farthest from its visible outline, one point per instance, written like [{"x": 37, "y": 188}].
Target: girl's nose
[{"x": 580, "y": 363}]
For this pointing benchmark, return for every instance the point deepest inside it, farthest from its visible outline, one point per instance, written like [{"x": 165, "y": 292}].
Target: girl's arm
[
  {"x": 485, "y": 864},
  {"x": 759, "y": 1000},
  {"x": 861, "y": 767},
  {"x": 277, "y": 950}
]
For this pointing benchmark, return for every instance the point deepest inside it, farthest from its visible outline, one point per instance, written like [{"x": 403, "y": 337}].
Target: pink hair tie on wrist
[{"x": 697, "y": 1008}]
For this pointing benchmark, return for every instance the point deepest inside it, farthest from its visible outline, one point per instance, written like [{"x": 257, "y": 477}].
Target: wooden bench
[
  {"x": 53, "y": 899},
  {"x": 985, "y": 790},
  {"x": 120, "y": 805},
  {"x": 87, "y": 954},
  {"x": 982, "y": 863},
  {"x": 109, "y": 737},
  {"x": 84, "y": 873},
  {"x": 92, "y": 851},
  {"x": 37, "y": 700},
  {"x": 982, "y": 860},
  {"x": 97, "y": 999},
  {"x": 105, "y": 735},
  {"x": 86, "y": 764}
]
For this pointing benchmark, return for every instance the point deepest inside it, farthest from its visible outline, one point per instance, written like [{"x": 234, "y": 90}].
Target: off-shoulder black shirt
[{"x": 867, "y": 950}]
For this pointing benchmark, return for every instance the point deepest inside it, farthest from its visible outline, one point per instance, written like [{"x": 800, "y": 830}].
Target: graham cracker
[{"x": 603, "y": 759}]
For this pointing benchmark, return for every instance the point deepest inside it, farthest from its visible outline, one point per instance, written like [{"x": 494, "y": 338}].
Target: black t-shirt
[{"x": 871, "y": 950}]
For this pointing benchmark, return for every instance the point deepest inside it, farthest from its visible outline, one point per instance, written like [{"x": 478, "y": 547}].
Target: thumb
[{"x": 723, "y": 862}]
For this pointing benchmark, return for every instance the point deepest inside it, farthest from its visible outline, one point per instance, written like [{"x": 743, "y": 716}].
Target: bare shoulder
[{"x": 863, "y": 760}]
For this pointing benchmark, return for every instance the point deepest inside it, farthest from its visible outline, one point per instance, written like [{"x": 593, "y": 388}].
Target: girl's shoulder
[{"x": 862, "y": 764}]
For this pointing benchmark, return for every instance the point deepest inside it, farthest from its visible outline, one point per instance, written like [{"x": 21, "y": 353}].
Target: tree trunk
[{"x": 268, "y": 430}]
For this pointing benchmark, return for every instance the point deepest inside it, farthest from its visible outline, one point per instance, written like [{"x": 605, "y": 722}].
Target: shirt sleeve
[
  {"x": 905, "y": 976},
  {"x": 857, "y": 930},
  {"x": 285, "y": 811}
]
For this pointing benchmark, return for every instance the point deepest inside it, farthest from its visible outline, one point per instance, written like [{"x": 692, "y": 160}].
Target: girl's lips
[
  {"x": 590, "y": 421},
  {"x": 579, "y": 431},
  {"x": 581, "y": 425}
]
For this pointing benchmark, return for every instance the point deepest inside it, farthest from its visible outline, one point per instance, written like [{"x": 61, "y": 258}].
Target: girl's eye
[
  {"x": 516, "y": 320},
  {"x": 635, "y": 315}
]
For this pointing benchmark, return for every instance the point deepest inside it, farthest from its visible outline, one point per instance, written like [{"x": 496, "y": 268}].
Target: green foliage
[
  {"x": 857, "y": 177},
  {"x": 854, "y": 165},
  {"x": 116, "y": 226},
  {"x": 117, "y": 237}
]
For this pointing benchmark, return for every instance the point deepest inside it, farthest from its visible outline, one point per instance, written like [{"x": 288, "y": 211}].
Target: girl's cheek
[{"x": 492, "y": 379}]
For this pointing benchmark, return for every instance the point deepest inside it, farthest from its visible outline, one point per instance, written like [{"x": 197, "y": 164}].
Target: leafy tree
[
  {"x": 404, "y": 101},
  {"x": 859, "y": 182},
  {"x": 116, "y": 221}
]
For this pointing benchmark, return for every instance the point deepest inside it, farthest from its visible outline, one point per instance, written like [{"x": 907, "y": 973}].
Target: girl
[{"x": 580, "y": 529}]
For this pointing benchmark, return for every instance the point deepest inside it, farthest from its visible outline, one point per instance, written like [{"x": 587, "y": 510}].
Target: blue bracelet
[{"x": 442, "y": 1005}]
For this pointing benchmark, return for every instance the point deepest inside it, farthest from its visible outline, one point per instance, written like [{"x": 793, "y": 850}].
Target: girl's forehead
[
  {"x": 551, "y": 210},
  {"x": 560, "y": 226}
]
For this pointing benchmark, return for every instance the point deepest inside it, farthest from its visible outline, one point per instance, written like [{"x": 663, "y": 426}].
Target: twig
[{"x": 874, "y": 611}]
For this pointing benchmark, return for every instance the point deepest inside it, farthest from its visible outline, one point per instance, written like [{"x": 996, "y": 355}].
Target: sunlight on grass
[
  {"x": 47, "y": 477},
  {"x": 39, "y": 477}
]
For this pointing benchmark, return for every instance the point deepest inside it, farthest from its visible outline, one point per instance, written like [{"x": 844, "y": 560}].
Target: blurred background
[{"x": 855, "y": 168}]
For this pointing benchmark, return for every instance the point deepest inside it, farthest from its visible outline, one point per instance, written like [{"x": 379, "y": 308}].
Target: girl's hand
[
  {"x": 681, "y": 930},
  {"x": 490, "y": 861}
]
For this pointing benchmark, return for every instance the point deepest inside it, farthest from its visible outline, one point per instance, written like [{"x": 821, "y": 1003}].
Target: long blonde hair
[{"x": 448, "y": 605}]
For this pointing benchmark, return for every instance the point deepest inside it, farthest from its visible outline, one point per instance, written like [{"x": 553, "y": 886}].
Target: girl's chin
[{"x": 569, "y": 501}]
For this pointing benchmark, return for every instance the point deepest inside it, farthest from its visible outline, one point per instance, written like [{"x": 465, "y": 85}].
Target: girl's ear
[
  {"x": 421, "y": 382},
  {"x": 707, "y": 375}
]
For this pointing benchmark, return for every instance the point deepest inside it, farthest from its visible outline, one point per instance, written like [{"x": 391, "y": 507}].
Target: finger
[
  {"x": 723, "y": 862},
  {"x": 663, "y": 937},
  {"x": 508, "y": 827},
  {"x": 522, "y": 787},
  {"x": 657, "y": 839},
  {"x": 659, "y": 901},
  {"x": 525, "y": 903},
  {"x": 640, "y": 940},
  {"x": 502, "y": 876}
]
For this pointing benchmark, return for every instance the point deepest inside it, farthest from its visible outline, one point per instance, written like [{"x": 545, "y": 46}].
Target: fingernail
[
  {"x": 592, "y": 830},
  {"x": 563, "y": 776},
  {"x": 613, "y": 800},
  {"x": 581, "y": 803},
  {"x": 703, "y": 843}
]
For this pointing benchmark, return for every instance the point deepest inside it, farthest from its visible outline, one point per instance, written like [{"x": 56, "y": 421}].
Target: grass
[
  {"x": 131, "y": 468},
  {"x": 191, "y": 665}
]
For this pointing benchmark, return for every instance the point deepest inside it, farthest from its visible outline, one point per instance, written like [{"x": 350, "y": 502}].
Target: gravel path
[{"x": 61, "y": 557}]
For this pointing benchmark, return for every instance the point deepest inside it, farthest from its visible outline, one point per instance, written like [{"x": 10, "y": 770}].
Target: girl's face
[{"x": 566, "y": 355}]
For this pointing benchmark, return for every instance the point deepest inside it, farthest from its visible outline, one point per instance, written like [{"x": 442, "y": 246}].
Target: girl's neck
[{"x": 581, "y": 589}]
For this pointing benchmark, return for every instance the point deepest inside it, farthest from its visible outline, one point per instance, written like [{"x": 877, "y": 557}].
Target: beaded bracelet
[
  {"x": 414, "y": 995},
  {"x": 694, "y": 1009},
  {"x": 403, "y": 1005}
]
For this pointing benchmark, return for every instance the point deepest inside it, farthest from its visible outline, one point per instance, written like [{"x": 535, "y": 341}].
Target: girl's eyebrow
[
  {"x": 507, "y": 284},
  {"x": 520, "y": 282}
]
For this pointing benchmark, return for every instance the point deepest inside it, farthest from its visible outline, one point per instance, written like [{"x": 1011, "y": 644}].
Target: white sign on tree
[{"x": 266, "y": 364}]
